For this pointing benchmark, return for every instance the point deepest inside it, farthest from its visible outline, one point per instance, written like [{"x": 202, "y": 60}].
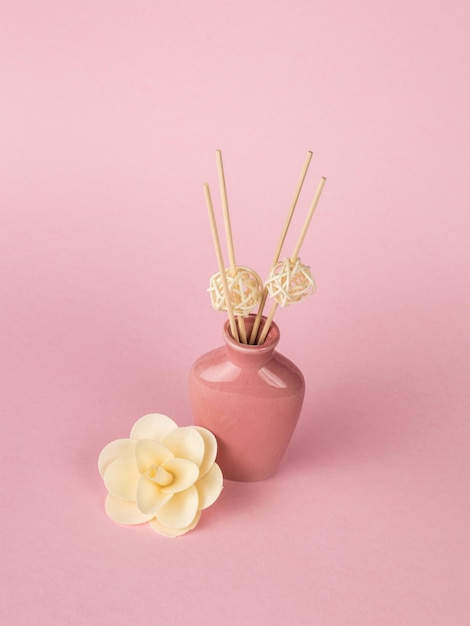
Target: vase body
[{"x": 250, "y": 397}]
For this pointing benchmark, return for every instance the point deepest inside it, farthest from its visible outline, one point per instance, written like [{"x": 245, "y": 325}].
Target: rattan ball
[
  {"x": 290, "y": 282},
  {"x": 245, "y": 288}
]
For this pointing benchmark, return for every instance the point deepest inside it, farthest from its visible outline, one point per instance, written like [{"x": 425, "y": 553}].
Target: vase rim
[{"x": 271, "y": 341}]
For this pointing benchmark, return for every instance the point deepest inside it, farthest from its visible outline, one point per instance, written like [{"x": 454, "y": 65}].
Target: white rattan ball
[
  {"x": 245, "y": 288},
  {"x": 290, "y": 282}
]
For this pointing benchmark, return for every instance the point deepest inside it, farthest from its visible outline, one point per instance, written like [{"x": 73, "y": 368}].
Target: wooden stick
[
  {"x": 308, "y": 219},
  {"x": 292, "y": 208},
  {"x": 228, "y": 233},
  {"x": 295, "y": 253},
  {"x": 268, "y": 322},
  {"x": 259, "y": 315},
  {"x": 220, "y": 262},
  {"x": 264, "y": 297}
]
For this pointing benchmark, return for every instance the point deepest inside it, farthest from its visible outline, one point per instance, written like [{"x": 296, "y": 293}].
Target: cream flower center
[{"x": 159, "y": 475}]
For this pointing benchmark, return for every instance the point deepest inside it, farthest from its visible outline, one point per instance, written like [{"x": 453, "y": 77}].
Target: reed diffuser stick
[
  {"x": 228, "y": 233},
  {"x": 220, "y": 262},
  {"x": 308, "y": 219},
  {"x": 282, "y": 238},
  {"x": 295, "y": 253}
]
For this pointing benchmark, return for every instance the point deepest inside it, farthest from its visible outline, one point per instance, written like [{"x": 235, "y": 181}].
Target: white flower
[{"x": 162, "y": 474}]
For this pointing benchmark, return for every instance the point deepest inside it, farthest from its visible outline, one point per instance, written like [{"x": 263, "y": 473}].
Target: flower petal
[
  {"x": 152, "y": 426},
  {"x": 210, "y": 449},
  {"x": 124, "y": 511},
  {"x": 186, "y": 443},
  {"x": 173, "y": 532},
  {"x": 185, "y": 473},
  {"x": 150, "y": 497},
  {"x": 180, "y": 511},
  {"x": 121, "y": 478},
  {"x": 113, "y": 451},
  {"x": 209, "y": 487},
  {"x": 149, "y": 452}
]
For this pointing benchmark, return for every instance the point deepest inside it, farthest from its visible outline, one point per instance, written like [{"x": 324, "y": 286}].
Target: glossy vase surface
[{"x": 250, "y": 397}]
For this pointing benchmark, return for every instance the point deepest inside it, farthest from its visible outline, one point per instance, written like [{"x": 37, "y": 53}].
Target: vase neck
[{"x": 251, "y": 356}]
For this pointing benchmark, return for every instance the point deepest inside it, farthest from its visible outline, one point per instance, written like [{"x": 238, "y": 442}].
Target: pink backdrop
[{"x": 111, "y": 113}]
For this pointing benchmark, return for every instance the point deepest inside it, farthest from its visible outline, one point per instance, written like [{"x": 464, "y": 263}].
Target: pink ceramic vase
[{"x": 250, "y": 397}]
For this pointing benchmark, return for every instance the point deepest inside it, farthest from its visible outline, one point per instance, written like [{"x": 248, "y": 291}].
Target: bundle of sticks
[{"x": 239, "y": 289}]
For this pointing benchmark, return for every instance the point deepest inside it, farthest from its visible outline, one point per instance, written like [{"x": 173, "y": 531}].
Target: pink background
[{"x": 111, "y": 113}]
